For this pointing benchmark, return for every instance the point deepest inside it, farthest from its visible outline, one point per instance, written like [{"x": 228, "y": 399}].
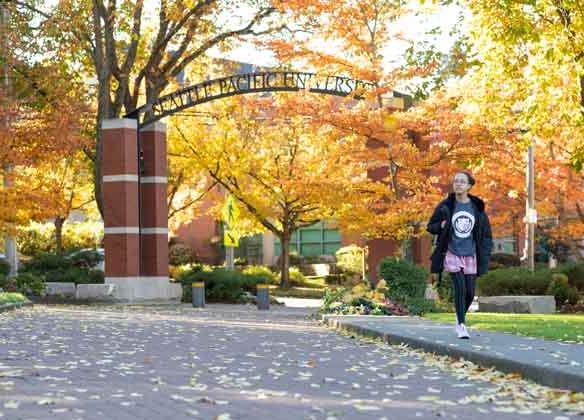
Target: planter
[
  {"x": 98, "y": 292},
  {"x": 60, "y": 289},
  {"x": 518, "y": 304}
]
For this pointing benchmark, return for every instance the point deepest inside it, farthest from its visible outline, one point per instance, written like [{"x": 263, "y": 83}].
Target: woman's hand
[{"x": 442, "y": 224}]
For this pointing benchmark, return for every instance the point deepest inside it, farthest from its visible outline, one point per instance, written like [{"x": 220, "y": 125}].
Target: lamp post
[{"x": 530, "y": 212}]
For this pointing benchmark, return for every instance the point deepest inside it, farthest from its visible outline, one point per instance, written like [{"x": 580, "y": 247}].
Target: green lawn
[
  {"x": 564, "y": 327},
  {"x": 11, "y": 298}
]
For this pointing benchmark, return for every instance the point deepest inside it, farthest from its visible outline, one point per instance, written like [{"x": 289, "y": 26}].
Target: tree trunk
[
  {"x": 97, "y": 170},
  {"x": 104, "y": 111},
  {"x": 59, "y": 222},
  {"x": 581, "y": 79},
  {"x": 285, "y": 262}
]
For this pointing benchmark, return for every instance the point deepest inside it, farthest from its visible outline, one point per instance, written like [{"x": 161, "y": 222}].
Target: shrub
[
  {"x": 180, "y": 254},
  {"x": 350, "y": 259},
  {"x": 514, "y": 281},
  {"x": 175, "y": 271},
  {"x": 4, "y": 267},
  {"x": 220, "y": 284},
  {"x": 296, "y": 278},
  {"x": 575, "y": 273},
  {"x": 360, "y": 300},
  {"x": 30, "y": 284},
  {"x": 36, "y": 238},
  {"x": 249, "y": 282},
  {"x": 573, "y": 296},
  {"x": 11, "y": 298},
  {"x": 420, "y": 306},
  {"x": 76, "y": 275},
  {"x": 55, "y": 268},
  {"x": 70, "y": 275},
  {"x": 356, "y": 301},
  {"x": 501, "y": 260},
  {"x": 561, "y": 291},
  {"x": 264, "y": 273},
  {"x": 333, "y": 298},
  {"x": 47, "y": 262},
  {"x": 87, "y": 259},
  {"x": 403, "y": 279},
  {"x": 7, "y": 284},
  {"x": 94, "y": 277}
]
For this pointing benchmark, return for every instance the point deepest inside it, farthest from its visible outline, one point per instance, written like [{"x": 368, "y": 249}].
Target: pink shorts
[{"x": 454, "y": 263}]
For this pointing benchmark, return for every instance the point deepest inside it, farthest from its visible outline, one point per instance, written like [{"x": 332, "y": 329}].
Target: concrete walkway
[
  {"x": 547, "y": 362},
  {"x": 228, "y": 362}
]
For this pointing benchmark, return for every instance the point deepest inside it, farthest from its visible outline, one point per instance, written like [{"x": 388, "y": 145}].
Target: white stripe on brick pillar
[
  {"x": 120, "y": 178},
  {"x": 154, "y": 180},
  {"x": 154, "y": 231},
  {"x": 121, "y": 229}
]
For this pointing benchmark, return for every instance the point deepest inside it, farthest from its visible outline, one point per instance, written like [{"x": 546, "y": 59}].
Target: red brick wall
[
  {"x": 379, "y": 249},
  {"x": 199, "y": 233}
]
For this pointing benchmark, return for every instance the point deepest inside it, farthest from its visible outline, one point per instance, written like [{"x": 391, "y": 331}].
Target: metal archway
[{"x": 239, "y": 84}]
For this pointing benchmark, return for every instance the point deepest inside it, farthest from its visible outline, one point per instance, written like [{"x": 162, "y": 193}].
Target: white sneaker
[
  {"x": 458, "y": 330},
  {"x": 462, "y": 331}
]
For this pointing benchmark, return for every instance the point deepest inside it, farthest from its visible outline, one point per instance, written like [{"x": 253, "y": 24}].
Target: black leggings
[{"x": 464, "y": 289}]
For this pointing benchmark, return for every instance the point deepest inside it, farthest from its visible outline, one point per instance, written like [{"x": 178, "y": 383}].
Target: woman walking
[{"x": 464, "y": 243}]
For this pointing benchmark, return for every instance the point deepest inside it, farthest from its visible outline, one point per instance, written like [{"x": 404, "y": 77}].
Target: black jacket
[{"x": 481, "y": 233}]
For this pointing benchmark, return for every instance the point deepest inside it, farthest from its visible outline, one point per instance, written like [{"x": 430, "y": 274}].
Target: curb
[
  {"x": 548, "y": 376},
  {"x": 12, "y": 306}
]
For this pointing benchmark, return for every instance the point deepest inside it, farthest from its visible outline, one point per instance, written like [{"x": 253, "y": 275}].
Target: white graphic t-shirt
[{"x": 463, "y": 222}]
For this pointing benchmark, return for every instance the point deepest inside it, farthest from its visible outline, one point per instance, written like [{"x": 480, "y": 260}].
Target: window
[
  {"x": 250, "y": 248},
  {"x": 504, "y": 245},
  {"x": 322, "y": 238}
]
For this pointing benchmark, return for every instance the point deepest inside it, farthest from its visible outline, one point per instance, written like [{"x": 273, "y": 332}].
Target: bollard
[
  {"x": 263, "y": 296},
  {"x": 198, "y": 294}
]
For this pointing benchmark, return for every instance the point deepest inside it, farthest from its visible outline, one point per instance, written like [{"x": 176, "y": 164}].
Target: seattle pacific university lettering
[{"x": 250, "y": 83}]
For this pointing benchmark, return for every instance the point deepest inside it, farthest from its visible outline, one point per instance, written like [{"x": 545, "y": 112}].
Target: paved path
[
  {"x": 547, "y": 362},
  {"x": 233, "y": 362}
]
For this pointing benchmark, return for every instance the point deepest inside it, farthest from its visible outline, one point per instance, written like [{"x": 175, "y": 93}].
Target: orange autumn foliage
[{"x": 41, "y": 132}]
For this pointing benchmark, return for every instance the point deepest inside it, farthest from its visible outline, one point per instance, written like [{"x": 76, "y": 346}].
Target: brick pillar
[
  {"x": 154, "y": 211},
  {"x": 120, "y": 201}
]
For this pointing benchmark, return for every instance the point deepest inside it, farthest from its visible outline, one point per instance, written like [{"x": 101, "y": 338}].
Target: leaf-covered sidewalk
[
  {"x": 551, "y": 363},
  {"x": 233, "y": 362}
]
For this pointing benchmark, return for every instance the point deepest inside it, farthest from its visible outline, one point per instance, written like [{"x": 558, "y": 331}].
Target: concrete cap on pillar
[
  {"x": 155, "y": 126},
  {"x": 115, "y": 123}
]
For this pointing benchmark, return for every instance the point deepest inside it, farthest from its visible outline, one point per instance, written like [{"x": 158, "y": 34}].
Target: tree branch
[{"x": 247, "y": 30}]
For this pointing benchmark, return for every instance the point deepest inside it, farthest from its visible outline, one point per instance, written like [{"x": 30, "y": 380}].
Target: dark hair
[{"x": 470, "y": 178}]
